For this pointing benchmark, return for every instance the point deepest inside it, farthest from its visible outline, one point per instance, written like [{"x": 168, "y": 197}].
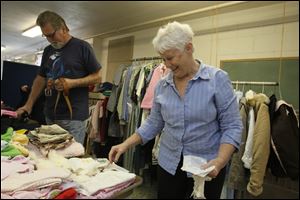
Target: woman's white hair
[{"x": 172, "y": 36}]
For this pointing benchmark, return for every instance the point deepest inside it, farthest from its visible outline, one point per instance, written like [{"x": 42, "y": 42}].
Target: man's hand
[
  {"x": 63, "y": 84},
  {"x": 20, "y": 111},
  {"x": 59, "y": 86}
]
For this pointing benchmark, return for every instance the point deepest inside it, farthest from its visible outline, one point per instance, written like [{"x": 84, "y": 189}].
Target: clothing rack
[
  {"x": 94, "y": 97},
  {"x": 147, "y": 58},
  {"x": 255, "y": 83}
]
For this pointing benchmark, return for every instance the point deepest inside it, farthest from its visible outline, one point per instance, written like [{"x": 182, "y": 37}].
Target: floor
[
  {"x": 283, "y": 189},
  {"x": 148, "y": 189}
]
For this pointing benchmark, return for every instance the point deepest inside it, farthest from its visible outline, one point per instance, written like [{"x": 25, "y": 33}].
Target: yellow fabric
[
  {"x": 20, "y": 138},
  {"x": 21, "y": 131},
  {"x": 22, "y": 149}
]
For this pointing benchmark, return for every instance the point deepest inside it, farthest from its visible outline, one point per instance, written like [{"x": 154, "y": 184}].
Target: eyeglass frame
[{"x": 51, "y": 35}]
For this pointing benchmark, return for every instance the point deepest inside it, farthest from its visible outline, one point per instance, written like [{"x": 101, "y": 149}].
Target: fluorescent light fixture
[
  {"x": 39, "y": 52},
  {"x": 3, "y": 47},
  {"x": 32, "y": 32}
]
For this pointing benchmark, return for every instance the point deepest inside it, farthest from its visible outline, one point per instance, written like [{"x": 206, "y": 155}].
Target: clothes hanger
[
  {"x": 280, "y": 94},
  {"x": 237, "y": 85},
  {"x": 243, "y": 88}
]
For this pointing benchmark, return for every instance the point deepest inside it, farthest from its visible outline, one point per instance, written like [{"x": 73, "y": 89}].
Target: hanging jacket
[
  {"x": 261, "y": 144},
  {"x": 284, "y": 158},
  {"x": 237, "y": 177}
]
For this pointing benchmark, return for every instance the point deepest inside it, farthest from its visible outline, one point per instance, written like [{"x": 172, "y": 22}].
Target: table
[{"x": 129, "y": 190}]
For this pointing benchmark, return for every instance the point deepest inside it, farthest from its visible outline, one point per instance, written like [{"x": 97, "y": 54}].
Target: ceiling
[
  {"x": 84, "y": 19},
  {"x": 87, "y": 19}
]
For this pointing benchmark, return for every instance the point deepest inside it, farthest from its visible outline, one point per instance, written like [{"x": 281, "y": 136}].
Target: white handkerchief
[{"x": 193, "y": 165}]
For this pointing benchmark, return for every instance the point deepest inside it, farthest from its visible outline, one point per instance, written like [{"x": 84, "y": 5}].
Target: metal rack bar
[
  {"x": 147, "y": 58},
  {"x": 255, "y": 83}
]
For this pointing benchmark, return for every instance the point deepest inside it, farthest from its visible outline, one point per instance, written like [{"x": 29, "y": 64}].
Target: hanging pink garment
[{"x": 159, "y": 72}]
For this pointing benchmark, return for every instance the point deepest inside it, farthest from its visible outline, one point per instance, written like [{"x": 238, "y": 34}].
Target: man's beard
[{"x": 57, "y": 45}]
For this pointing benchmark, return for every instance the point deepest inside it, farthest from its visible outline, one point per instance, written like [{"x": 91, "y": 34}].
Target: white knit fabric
[
  {"x": 192, "y": 164},
  {"x": 198, "y": 192},
  {"x": 247, "y": 156}
]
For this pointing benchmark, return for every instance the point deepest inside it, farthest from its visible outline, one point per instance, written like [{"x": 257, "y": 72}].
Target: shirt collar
[{"x": 202, "y": 73}]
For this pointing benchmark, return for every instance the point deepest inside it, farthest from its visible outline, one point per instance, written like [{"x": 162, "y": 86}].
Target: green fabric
[
  {"x": 11, "y": 151},
  {"x": 107, "y": 93},
  {"x": 8, "y": 135},
  {"x": 120, "y": 104}
]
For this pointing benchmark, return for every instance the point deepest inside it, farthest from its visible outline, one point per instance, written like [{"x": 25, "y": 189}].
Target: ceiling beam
[{"x": 199, "y": 13}]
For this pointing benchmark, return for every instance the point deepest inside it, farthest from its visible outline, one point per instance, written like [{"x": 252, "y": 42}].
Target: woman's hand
[
  {"x": 218, "y": 162},
  {"x": 116, "y": 151}
]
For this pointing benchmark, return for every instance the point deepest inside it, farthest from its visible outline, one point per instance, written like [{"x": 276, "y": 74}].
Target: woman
[{"x": 196, "y": 107}]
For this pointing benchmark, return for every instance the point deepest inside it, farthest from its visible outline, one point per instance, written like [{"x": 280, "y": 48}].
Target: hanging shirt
[
  {"x": 196, "y": 124},
  {"x": 159, "y": 72}
]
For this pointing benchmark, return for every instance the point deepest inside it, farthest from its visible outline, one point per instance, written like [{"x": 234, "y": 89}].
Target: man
[{"x": 68, "y": 66}]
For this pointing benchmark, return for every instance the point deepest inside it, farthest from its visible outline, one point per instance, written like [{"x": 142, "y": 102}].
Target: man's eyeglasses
[{"x": 51, "y": 35}]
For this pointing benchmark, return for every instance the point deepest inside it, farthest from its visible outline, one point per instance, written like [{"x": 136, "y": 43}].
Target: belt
[{"x": 65, "y": 94}]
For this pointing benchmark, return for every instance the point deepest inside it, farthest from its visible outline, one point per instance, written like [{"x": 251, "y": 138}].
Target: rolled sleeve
[{"x": 228, "y": 113}]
